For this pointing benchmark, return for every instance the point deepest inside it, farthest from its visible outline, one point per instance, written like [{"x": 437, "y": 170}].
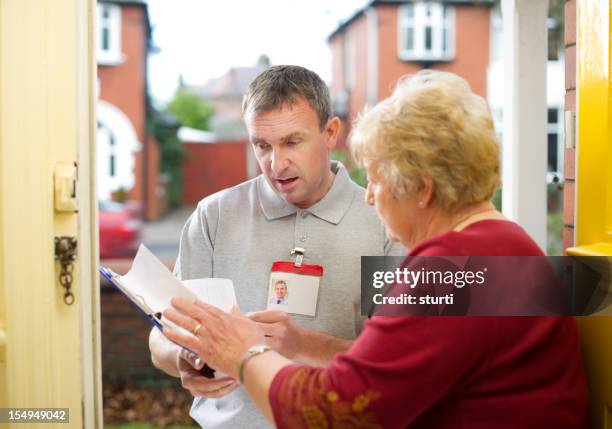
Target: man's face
[
  {"x": 293, "y": 152},
  {"x": 280, "y": 290}
]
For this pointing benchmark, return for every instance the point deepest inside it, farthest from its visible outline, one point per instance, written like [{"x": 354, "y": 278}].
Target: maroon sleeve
[
  {"x": 404, "y": 371},
  {"x": 369, "y": 383}
]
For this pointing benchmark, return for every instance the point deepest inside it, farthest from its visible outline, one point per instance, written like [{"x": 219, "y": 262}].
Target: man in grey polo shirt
[{"x": 303, "y": 200}]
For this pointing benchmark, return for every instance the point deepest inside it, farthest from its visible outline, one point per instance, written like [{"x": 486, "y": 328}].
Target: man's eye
[
  {"x": 262, "y": 146},
  {"x": 292, "y": 142}
]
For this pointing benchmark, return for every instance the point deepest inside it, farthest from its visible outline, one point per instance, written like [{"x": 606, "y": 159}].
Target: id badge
[{"x": 294, "y": 289}]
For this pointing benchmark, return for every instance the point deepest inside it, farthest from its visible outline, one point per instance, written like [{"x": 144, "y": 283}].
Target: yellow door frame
[
  {"x": 593, "y": 228},
  {"x": 594, "y": 115},
  {"x": 49, "y": 351}
]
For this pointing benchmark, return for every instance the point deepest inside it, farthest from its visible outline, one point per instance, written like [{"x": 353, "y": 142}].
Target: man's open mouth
[
  {"x": 286, "y": 184},
  {"x": 286, "y": 181}
]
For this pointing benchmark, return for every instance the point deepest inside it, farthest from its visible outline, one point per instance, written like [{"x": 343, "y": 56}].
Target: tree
[
  {"x": 185, "y": 109},
  {"x": 190, "y": 110},
  {"x": 164, "y": 128}
]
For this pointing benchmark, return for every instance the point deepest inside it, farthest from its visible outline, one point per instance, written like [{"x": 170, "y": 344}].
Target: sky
[{"x": 202, "y": 39}]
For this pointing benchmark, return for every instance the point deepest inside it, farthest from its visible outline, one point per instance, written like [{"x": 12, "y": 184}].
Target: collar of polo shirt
[{"x": 331, "y": 208}]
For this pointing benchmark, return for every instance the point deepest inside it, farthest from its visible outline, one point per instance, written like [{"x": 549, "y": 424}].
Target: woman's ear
[{"x": 427, "y": 190}]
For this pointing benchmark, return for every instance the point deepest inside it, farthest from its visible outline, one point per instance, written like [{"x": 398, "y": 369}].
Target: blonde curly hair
[{"x": 433, "y": 123}]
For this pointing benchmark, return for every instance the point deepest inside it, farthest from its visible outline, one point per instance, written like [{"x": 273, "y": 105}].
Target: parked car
[{"x": 120, "y": 230}]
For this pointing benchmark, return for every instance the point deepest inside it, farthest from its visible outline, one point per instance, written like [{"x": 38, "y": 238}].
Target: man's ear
[{"x": 332, "y": 130}]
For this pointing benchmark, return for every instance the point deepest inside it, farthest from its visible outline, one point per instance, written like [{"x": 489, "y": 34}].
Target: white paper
[
  {"x": 151, "y": 281},
  {"x": 153, "y": 284},
  {"x": 217, "y": 292}
]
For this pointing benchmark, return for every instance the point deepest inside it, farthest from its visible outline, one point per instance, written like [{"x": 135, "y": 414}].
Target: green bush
[
  {"x": 358, "y": 174},
  {"x": 164, "y": 128}
]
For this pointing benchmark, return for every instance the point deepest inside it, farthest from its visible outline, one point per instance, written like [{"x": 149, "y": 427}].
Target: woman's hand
[{"x": 222, "y": 339}]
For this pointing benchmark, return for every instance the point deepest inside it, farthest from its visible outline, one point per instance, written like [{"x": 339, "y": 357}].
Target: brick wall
[
  {"x": 210, "y": 167},
  {"x": 570, "y": 106},
  {"x": 125, "y": 344}
]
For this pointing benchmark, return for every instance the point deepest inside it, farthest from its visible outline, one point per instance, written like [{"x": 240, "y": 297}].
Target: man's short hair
[{"x": 282, "y": 85}]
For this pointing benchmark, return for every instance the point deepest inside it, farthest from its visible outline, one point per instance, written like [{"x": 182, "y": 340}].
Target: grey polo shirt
[{"x": 239, "y": 232}]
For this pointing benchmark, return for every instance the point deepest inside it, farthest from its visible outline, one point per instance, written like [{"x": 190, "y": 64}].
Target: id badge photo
[{"x": 294, "y": 289}]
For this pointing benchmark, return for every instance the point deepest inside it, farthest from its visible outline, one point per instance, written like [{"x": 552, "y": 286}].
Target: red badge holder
[{"x": 294, "y": 286}]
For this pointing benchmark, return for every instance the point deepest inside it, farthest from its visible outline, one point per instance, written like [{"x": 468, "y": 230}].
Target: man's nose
[{"x": 280, "y": 162}]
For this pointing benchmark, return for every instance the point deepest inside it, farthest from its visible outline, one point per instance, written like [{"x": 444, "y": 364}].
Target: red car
[{"x": 120, "y": 231}]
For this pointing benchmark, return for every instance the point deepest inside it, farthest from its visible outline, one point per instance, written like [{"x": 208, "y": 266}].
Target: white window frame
[
  {"x": 112, "y": 121},
  {"x": 555, "y": 128},
  {"x": 558, "y": 129},
  {"x": 419, "y": 22},
  {"x": 112, "y": 23}
]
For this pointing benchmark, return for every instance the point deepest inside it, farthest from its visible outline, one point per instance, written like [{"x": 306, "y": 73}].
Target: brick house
[
  {"x": 127, "y": 155},
  {"x": 127, "y": 167},
  {"x": 387, "y": 39}
]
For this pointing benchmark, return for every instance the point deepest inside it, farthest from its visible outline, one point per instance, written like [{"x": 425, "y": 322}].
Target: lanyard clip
[{"x": 299, "y": 256}]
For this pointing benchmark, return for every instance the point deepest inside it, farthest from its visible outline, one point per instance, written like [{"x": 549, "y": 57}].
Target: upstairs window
[
  {"x": 426, "y": 32},
  {"x": 109, "y": 34}
]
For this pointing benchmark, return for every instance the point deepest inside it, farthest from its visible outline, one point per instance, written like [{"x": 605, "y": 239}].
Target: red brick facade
[
  {"x": 570, "y": 106},
  {"x": 125, "y": 86},
  {"x": 472, "y": 41},
  {"x": 472, "y": 46}
]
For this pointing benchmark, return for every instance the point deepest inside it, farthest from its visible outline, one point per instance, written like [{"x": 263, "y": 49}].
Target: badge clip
[{"x": 299, "y": 256}]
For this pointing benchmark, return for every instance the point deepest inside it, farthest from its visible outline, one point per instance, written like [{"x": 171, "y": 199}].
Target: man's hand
[
  {"x": 296, "y": 342},
  {"x": 178, "y": 362},
  {"x": 189, "y": 366},
  {"x": 282, "y": 334}
]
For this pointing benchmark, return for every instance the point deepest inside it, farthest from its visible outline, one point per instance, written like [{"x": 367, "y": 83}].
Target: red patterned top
[{"x": 446, "y": 372}]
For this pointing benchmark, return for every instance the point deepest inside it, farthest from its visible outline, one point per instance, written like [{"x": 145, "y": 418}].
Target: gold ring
[{"x": 195, "y": 330}]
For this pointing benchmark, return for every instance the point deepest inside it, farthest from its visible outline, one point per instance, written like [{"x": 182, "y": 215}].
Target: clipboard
[
  {"x": 153, "y": 317},
  {"x": 149, "y": 285},
  {"x": 115, "y": 280}
]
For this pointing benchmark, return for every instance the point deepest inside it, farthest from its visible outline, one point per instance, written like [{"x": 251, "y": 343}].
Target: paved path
[{"x": 162, "y": 236}]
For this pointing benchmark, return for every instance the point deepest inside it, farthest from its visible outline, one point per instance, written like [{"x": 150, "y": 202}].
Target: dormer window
[
  {"x": 426, "y": 32},
  {"x": 109, "y": 34}
]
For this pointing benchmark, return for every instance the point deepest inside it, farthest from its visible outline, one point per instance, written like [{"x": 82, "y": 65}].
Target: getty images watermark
[
  {"x": 404, "y": 277},
  {"x": 486, "y": 286}
]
